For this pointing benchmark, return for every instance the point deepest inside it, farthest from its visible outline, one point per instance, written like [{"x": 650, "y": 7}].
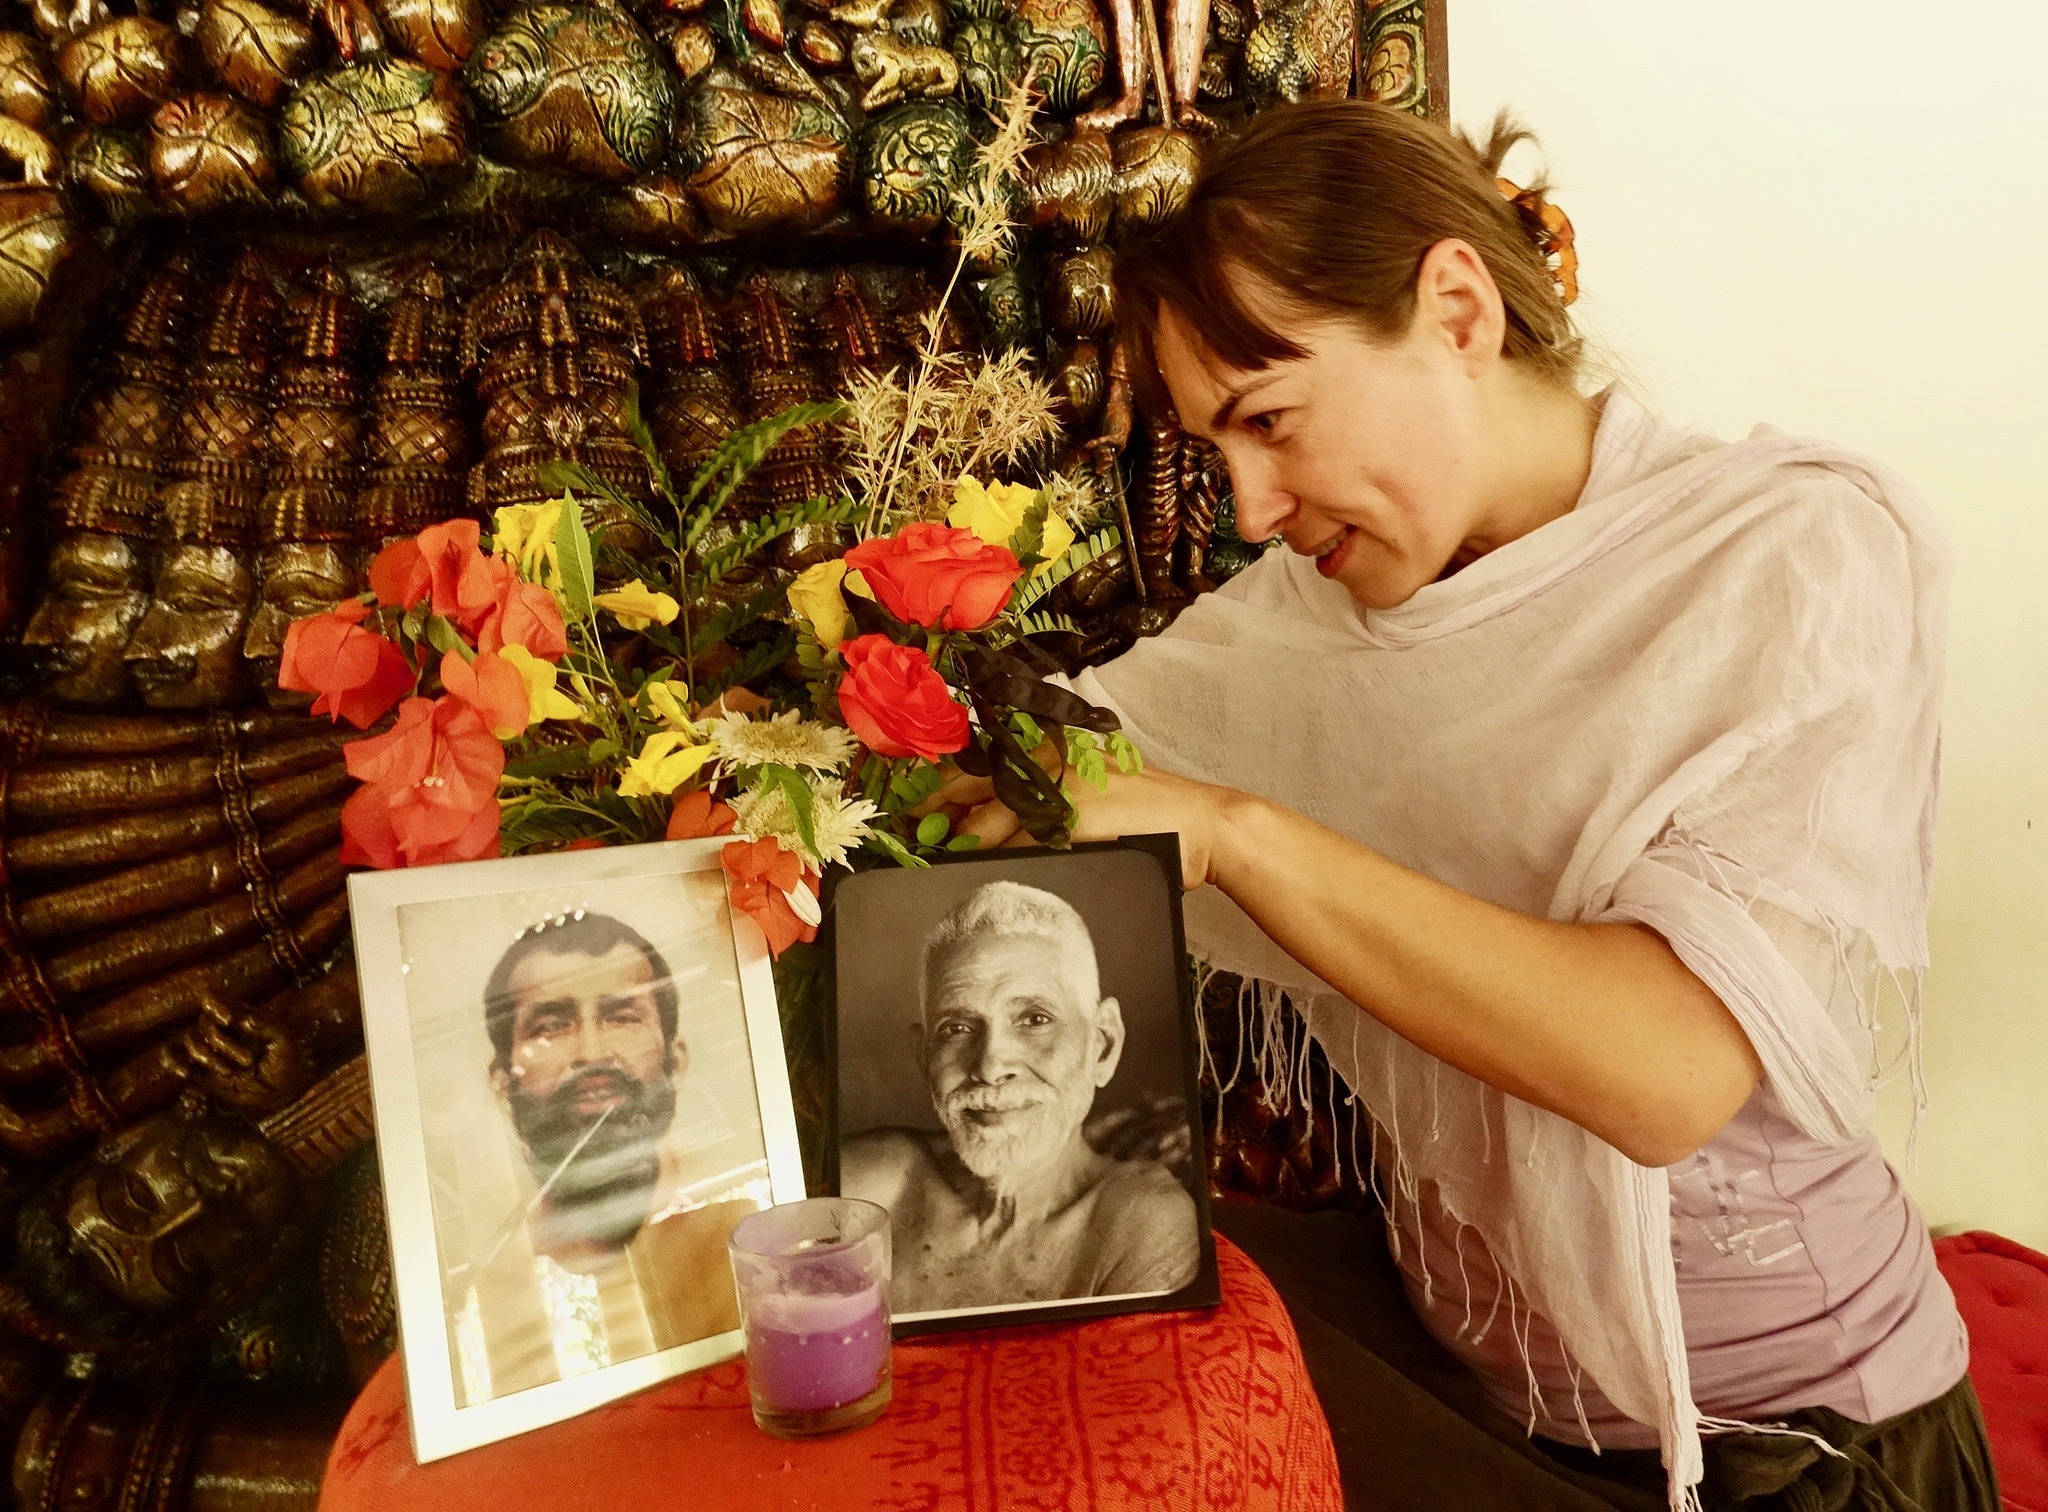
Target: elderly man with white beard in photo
[{"x": 1009, "y": 1203}]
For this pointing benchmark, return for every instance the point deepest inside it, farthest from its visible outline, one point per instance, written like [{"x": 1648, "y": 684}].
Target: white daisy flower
[
  {"x": 841, "y": 823},
  {"x": 784, "y": 740}
]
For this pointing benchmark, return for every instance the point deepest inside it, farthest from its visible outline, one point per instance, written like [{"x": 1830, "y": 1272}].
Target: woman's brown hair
[{"x": 1331, "y": 205}]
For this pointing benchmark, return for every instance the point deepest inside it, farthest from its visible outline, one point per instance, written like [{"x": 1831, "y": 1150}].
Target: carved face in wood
[
  {"x": 98, "y": 590},
  {"x": 187, "y": 652},
  {"x": 176, "y": 1208},
  {"x": 298, "y": 578}
]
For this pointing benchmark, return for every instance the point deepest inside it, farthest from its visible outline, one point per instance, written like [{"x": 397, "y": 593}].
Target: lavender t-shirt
[{"x": 1805, "y": 1274}]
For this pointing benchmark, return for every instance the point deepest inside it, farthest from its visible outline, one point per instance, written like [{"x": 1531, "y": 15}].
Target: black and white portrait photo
[
  {"x": 590, "y": 1128},
  {"x": 1016, "y": 1082}
]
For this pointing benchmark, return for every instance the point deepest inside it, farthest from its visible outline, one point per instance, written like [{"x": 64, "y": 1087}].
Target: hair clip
[{"x": 1551, "y": 230}]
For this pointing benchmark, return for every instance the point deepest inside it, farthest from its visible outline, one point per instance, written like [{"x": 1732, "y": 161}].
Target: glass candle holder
[{"x": 813, "y": 1281}]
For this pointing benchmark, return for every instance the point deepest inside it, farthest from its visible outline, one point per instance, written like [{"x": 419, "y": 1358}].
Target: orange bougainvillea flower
[
  {"x": 762, "y": 876},
  {"x": 468, "y": 586},
  {"x": 443, "y": 563},
  {"x": 524, "y": 614},
  {"x": 430, "y": 788},
  {"x": 587, "y": 842},
  {"x": 696, "y": 817},
  {"x": 492, "y": 686},
  {"x": 379, "y": 828},
  {"x": 358, "y": 674},
  {"x": 399, "y": 575}
]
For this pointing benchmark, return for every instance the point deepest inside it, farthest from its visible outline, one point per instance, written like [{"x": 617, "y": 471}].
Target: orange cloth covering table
[{"x": 1164, "y": 1412}]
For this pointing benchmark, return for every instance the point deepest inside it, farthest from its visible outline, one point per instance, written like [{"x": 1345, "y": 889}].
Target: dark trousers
[{"x": 1415, "y": 1432}]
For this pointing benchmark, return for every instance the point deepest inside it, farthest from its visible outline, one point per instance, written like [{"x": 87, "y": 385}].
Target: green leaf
[
  {"x": 915, "y": 780},
  {"x": 603, "y": 750},
  {"x": 549, "y": 764},
  {"x": 446, "y": 639},
  {"x": 1079, "y": 555},
  {"x": 573, "y": 558},
  {"x": 414, "y": 625},
  {"x": 636, "y": 423},
  {"x": 1128, "y": 759},
  {"x": 1084, "y": 755},
  {"x": 738, "y": 616},
  {"x": 1047, "y": 624},
  {"x": 762, "y": 658},
  {"x": 884, "y": 843},
  {"x": 1028, "y": 539},
  {"x": 964, "y": 843},
  {"x": 1027, "y": 729},
  {"x": 933, "y": 828},
  {"x": 801, "y": 808},
  {"x": 739, "y": 454},
  {"x": 736, "y": 551}
]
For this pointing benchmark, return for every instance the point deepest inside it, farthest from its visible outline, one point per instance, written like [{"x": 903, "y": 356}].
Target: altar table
[{"x": 1166, "y": 1412}]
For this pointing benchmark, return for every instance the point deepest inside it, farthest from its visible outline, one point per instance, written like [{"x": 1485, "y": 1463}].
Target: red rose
[
  {"x": 937, "y": 576},
  {"x": 763, "y": 875},
  {"x": 357, "y": 673},
  {"x": 525, "y": 614},
  {"x": 896, "y": 703},
  {"x": 430, "y": 789}
]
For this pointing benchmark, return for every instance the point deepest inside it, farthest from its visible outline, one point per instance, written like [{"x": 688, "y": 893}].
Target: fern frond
[
  {"x": 575, "y": 478},
  {"x": 817, "y": 511},
  {"x": 740, "y": 453},
  {"x": 1079, "y": 555},
  {"x": 737, "y": 616},
  {"x": 759, "y": 659},
  {"x": 636, "y": 423},
  {"x": 1047, "y": 624}
]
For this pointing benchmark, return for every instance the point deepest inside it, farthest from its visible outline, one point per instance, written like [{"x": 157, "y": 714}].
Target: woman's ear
[{"x": 1458, "y": 305}]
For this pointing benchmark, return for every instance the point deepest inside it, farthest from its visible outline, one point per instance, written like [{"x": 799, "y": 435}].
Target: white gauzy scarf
[{"x": 1707, "y": 702}]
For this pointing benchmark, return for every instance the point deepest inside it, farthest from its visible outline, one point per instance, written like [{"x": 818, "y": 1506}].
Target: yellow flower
[
  {"x": 996, "y": 511},
  {"x": 543, "y": 699},
  {"x": 636, "y": 605},
  {"x": 665, "y": 763},
  {"x": 815, "y": 595},
  {"x": 524, "y": 535},
  {"x": 668, "y": 708}
]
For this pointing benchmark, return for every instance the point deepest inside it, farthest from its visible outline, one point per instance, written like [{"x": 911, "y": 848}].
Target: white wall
[{"x": 1833, "y": 215}]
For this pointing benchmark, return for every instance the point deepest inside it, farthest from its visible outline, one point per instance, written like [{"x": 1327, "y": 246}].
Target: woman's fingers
[
  {"x": 992, "y": 822},
  {"x": 960, "y": 791}
]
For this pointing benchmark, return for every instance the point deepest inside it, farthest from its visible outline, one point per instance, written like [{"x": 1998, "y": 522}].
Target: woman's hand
[{"x": 1145, "y": 803}]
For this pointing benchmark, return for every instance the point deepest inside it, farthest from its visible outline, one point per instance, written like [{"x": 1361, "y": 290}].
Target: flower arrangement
[{"x": 546, "y": 696}]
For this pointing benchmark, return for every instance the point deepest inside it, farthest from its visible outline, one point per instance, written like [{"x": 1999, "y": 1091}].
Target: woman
[{"x": 1594, "y": 761}]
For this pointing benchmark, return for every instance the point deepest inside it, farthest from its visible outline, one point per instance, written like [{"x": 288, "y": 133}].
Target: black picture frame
[{"x": 1163, "y": 852}]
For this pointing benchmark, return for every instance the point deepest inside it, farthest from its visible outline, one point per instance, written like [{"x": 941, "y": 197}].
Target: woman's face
[{"x": 1365, "y": 455}]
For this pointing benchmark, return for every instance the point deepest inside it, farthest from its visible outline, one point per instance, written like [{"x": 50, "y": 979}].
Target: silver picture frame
[{"x": 411, "y": 926}]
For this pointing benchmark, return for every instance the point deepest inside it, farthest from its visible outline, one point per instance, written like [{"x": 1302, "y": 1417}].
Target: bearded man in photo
[
  {"x": 603, "y": 1264},
  {"x": 1008, "y": 1202}
]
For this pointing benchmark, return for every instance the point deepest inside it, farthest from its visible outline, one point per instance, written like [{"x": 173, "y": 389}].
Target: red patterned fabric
[
  {"x": 1158, "y": 1412},
  {"x": 2002, "y": 1290}
]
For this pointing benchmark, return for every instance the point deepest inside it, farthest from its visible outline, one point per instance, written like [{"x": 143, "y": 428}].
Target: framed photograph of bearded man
[
  {"x": 579, "y": 1086},
  {"x": 1017, "y": 1083}
]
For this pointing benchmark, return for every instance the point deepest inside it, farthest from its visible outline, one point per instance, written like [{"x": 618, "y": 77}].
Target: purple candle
[
  {"x": 807, "y": 1353},
  {"x": 813, "y": 1279}
]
